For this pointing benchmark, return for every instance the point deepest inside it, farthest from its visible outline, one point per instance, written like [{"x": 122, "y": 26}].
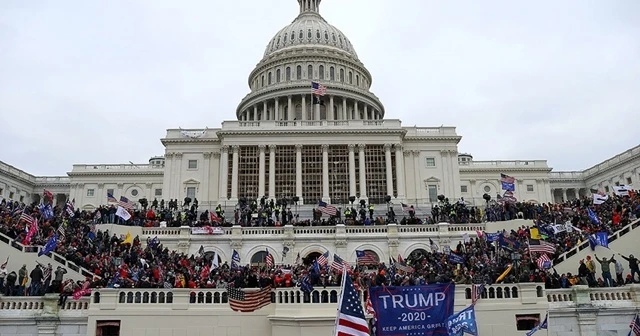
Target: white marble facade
[{"x": 285, "y": 143}]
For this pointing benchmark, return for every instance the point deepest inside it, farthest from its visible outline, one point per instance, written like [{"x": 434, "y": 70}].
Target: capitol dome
[{"x": 309, "y": 29}]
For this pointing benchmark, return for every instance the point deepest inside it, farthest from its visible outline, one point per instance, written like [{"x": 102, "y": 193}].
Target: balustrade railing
[{"x": 581, "y": 295}]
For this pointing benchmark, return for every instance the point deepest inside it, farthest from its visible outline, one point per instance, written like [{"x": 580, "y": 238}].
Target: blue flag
[
  {"x": 50, "y": 246},
  {"x": 463, "y": 322},
  {"x": 316, "y": 267},
  {"x": 305, "y": 285},
  {"x": 592, "y": 216},
  {"x": 47, "y": 212},
  {"x": 491, "y": 237},
  {"x": 235, "y": 260},
  {"x": 599, "y": 238},
  {"x": 540, "y": 326},
  {"x": 456, "y": 259}
]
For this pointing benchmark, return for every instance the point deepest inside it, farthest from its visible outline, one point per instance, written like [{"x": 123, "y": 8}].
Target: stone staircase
[
  {"x": 623, "y": 241},
  {"x": 20, "y": 254}
]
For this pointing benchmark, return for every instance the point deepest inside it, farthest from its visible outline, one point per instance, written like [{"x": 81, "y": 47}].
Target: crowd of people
[{"x": 117, "y": 262}]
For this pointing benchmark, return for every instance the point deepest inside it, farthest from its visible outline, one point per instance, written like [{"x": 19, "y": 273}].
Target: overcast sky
[{"x": 101, "y": 81}]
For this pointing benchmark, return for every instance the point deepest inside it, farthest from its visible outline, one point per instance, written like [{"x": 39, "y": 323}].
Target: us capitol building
[{"x": 287, "y": 143}]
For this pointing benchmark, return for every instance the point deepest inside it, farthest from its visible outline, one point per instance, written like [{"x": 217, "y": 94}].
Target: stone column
[
  {"x": 389, "y": 168},
  {"x": 178, "y": 175},
  {"x": 356, "y": 114},
  {"x": 214, "y": 175},
  {"x": 446, "y": 173},
  {"x": 255, "y": 113},
  {"x": 344, "y": 110},
  {"x": 291, "y": 113},
  {"x": 416, "y": 174},
  {"x": 299, "y": 172},
  {"x": 325, "y": 173},
  {"x": 148, "y": 192},
  {"x": 366, "y": 112},
  {"x": 234, "y": 173},
  {"x": 330, "y": 109},
  {"x": 101, "y": 197},
  {"x": 564, "y": 195},
  {"x": 400, "y": 184},
  {"x": 304, "y": 107},
  {"x": 272, "y": 171},
  {"x": 264, "y": 111},
  {"x": 206, "y": 177},
  {"x": 352, "y": 170},
  {"x": 261, "y": 170},
  {"x": 224, "y": 173},
  {"x": 276, "y": 111},
  {"x": 363, "y": 172},
  {"x": 167, "y": 181}
]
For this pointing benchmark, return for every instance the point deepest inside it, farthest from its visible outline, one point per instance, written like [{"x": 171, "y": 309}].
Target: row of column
[
  {"x": 348, "y": 110},
  {"x": 271, "y": 193}
]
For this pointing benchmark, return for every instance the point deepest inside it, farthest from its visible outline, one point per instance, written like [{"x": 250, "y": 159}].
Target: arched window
[
  {"x": 259, "y": 257},
  {"x": 310, "y": 71},
  {"x": 269, "y": 78},
  {"x": 301, "y": 36},
  {"x": 278, "y": 76},
  {"x": 321, "y": 72},
  {"x": 298, "y": 72},
  {"x": 262, "y": 81},
  {"x": 209, "y": 257},
  {"x": 318, "y": 34},
  {"x": 357, "y": 80},
  {"x": 326, "y": 36},
  {"x": 350, "y": 77},
  {"x": 284, "y": 39},
  {"x": 371, "y": 258},
  {"x": 342, "y": 75},
  {"x": 332, "y": 73},
  {"x": 287, "y": 74},
  {"x": 309, "y": 34}
]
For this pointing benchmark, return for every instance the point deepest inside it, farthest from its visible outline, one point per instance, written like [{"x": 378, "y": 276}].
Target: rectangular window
[
  {"x": 433, "y": 193},
  {"x": 193, "y": 164},
  {"x": 191, "y": 192},
  {"x": 158, "y": 192},
  {"x": 110, "y": 191},
  {"x": 527, "y": 321},
  {"x": 11, "y": 195},
  {"x": 629, "y": 181},
  {"x": 530, "y": 187},
  {"x": 430, "y": 162},
  {"x": 1, "y": 191},
  {"x": 21, "y": 199},
  {"x": 606, "y": 189},
  {"x": 617, "y": 184},
  {"x": 90, "y": 192},
  {"x": 463, "y": 189}
]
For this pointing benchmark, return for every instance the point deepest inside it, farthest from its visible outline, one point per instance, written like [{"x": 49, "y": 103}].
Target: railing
[
  {"x": 585, "y": 244},
  {"x": 56, "y": 257},
  {"x": 39, "y": 303},
  {"x": 115, "y": 167},
  {"x": 52, "y": 179},
  {"x": 430, "y": 131},
  {"x": 318, "y": 230},
  {"x": 612, "y": 161},
  {"x": 581, "y": 295},
  {"x": 572, "y": 175},
  {"x": 231, "y": 125},
  {"x": 516, "y": 163},
  {"x": 11, "y": 170}
]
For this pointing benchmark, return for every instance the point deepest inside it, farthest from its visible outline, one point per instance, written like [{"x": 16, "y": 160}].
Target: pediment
[
  {"x": 191, "y": 181},
  {"x": 432, "y": 179}
]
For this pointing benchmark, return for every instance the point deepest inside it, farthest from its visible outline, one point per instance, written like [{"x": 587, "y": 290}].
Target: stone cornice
[
  {"x": 408, "y": 139},
  {"x": 503, "y": 169},
  {"x": 53, "y": 185},
  {"x": 166, "y": 141},
  {"x": 288, "y": 132},
  {"x": 113, "y": 173}
]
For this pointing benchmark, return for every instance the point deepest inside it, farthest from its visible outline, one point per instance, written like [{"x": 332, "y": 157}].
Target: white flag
[
  {"x": 122, "y": 213},
  {"x": 599, "y": 199},
  {"x": 465, "y": 237},
  {"x": 214, "y": 262},
  {"x": 622, "y": 190}
]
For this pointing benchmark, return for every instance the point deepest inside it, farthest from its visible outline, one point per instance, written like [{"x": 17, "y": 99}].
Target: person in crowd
[
  {"x": 633, "y": 266},
  {"x": 605, "y": 268}
]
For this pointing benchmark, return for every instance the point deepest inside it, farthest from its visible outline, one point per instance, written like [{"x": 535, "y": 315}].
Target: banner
[
  {"x": 417, "y": 310},
  {"x": 207, "y": 230}
]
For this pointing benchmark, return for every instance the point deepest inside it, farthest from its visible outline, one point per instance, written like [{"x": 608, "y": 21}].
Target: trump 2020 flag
[
  {"x": 463, "y": 322},
  {"x": 235, "y": 260},
  {"x": 50, "y": 246},
  {"x": 599, "y": 238},
  {"x": 592, "y": 216}
]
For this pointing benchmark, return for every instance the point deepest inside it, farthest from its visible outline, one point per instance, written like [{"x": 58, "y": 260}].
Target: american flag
[
  {"x": 125, "y": 203},
  {"x": 476, "y": 293},
  {"x": 366, "y": 257},
  {"x": 327, "y": 209},
  {"x": 246, "y": 302},
  {"x": 47, "y": 195},
  {"x": 338, "y": 263},
  {"x": 61, "y": 231},
  {"x": 323, "y": 260},
  {"x": 26, "y": 217},
  {"x": 318, "y": 89},
  {"x": 405, "y": 207},
  {"x": 269, "y": 260},
  {"x": 69, "y": 208},
  {"x": 540, "y": 326},
  {"x": 635, "y": 326},
  {"x": 541, "y": 246},
  {"x": 111, "y": 199},
  {"x": 543, "y": 262},
  {"x": 507, "y": 179},
  {"x": 350, "y": 320},
  {"x": 214, "y": 218}
]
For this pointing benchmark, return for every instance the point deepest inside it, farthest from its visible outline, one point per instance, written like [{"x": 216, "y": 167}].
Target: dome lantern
[{"x": 312, "y": 6}]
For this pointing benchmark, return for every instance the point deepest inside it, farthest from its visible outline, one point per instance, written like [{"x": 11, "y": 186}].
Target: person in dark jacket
[
  {"x": 36, "y": 280},
  {"x": 633, "y": 266},
  {"x": 10, "y": 285}
]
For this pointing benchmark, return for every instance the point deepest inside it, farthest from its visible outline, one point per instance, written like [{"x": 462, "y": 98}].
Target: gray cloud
[{"x": 101, "y": 81}]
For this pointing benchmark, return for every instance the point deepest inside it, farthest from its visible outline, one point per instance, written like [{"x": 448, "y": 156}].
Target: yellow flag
[
  {"x": 535, "y": 234},
  {"x": 504, "y": 274},
  {"x": 128, "y": 239}
]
